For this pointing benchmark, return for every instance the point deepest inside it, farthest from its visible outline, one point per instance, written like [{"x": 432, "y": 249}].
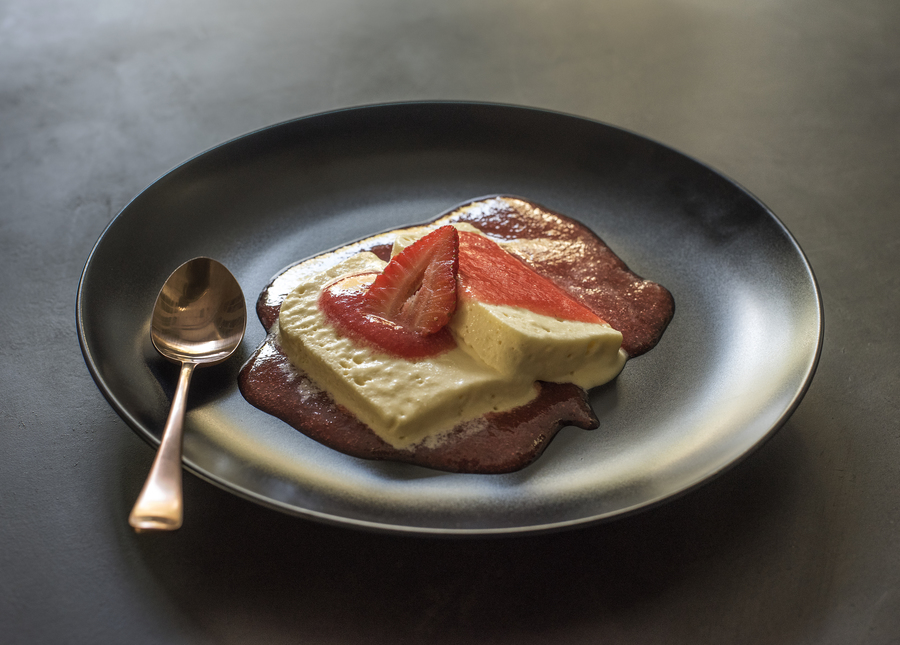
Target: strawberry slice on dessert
[
  {"x": 404, "y": 310},
  {"x": 417, "y": 289}
]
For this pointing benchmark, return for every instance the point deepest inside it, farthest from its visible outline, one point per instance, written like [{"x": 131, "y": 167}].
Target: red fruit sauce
[
  {"x": 568, "y": 254},
  {"x": 489, "y": 274}
]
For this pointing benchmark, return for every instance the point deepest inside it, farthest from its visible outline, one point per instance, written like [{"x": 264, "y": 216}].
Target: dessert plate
[{"x": 731, "y": 368}]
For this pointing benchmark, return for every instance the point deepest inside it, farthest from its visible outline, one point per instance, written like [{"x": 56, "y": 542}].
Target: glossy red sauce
[
  {"x": 569, "y": 254},
  {"x": 489, "y": 274}
]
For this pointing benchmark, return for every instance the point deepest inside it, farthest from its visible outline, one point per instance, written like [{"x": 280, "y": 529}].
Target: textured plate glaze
[{"x": 733, "y": 365}]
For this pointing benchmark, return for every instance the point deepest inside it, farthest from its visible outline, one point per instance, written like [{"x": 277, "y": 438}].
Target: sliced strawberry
[
  {"x": 344, "y": 304},
  {"x": 417, "y": 289},
  {"x": 404, "y": 310}
]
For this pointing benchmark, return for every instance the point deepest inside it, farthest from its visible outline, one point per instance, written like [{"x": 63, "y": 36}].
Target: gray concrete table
[{"x": 798, "y": 101}]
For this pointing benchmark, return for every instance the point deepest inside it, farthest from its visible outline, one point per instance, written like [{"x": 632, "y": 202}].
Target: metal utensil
[{"x": 199, "y": 319}]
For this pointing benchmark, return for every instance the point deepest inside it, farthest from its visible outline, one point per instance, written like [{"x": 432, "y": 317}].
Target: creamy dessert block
[{"x": 501, "y": 351}]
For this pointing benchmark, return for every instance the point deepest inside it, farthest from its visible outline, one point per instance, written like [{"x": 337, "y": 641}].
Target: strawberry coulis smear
[{"x": 489, "y": 274}]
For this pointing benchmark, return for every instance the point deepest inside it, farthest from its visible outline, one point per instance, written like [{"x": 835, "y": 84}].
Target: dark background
[{"x": 799, "y": 101}]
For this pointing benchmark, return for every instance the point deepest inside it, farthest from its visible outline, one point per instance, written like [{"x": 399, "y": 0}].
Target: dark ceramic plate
[{"x": 733, "y": 365}]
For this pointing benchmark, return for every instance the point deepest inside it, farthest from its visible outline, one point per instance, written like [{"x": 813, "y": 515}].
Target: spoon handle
[{"x": 159, "y": 506}]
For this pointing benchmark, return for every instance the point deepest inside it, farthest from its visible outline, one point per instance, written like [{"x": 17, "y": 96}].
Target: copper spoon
[{"x": 199, "y": 319}]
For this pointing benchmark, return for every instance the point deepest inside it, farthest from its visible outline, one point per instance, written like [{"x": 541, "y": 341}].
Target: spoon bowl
[{"x": 198, "y": 320}]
